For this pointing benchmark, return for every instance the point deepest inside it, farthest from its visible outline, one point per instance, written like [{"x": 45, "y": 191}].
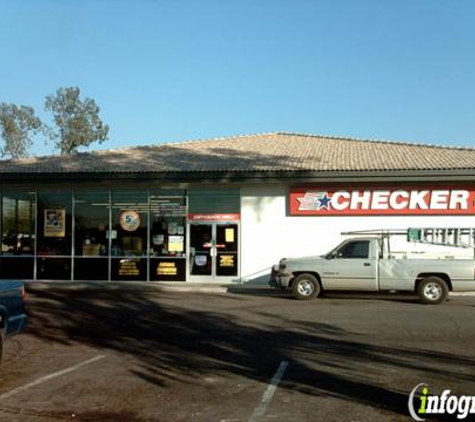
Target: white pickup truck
[{"x": 367, "y": 264}]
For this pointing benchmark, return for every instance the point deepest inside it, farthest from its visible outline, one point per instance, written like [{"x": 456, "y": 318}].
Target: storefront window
[
  {"x": 54, "y": 235},
  {"x": 129, "y": 235},
  {"x": 115, "y": 234},
  {"x": 168, "y": 235},
  {"x": 54, "y": 223},
  {"x": 18, "y": 234},
  {"x": 91, "y": 240},
  {"x": 91, "y": 209},
  {"x": 18, "y": 222}
]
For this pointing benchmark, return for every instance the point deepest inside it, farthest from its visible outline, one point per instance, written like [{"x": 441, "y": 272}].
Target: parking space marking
[
  {"x": 260, "y": 410},
  {"x": 50, "y": 377}
]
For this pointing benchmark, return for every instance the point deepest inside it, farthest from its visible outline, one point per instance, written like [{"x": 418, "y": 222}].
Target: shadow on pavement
[
  {"x": 275, "y": 293},
  {"x": 176, "y": 342}
]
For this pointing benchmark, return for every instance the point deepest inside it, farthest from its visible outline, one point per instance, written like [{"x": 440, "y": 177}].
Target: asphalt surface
[{"x": 181, "y": 356}]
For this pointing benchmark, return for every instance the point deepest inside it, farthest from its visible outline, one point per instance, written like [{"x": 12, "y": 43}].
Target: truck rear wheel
[
  {"x": 305, "y": 287},
  {"x": 433, "y": 290}
]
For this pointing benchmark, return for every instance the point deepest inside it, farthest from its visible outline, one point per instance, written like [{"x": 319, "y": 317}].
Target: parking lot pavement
[{"x": 162, "y": 356}]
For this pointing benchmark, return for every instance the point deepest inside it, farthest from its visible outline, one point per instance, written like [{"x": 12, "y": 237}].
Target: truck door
[{"x": 352, "y": 266}]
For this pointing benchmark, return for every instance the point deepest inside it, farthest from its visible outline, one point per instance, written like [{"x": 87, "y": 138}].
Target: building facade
[{"x": 221, "y": 210}]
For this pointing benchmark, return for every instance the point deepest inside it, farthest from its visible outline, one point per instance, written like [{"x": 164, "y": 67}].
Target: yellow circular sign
[{"x": 129, "y": 220}]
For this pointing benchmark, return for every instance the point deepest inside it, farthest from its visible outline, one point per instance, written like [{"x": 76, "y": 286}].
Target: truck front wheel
[
  {"x": 305, "y": 287},
  {"x": 433, "y": 290}
]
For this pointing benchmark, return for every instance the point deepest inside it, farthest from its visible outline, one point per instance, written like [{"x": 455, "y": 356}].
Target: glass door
[
  {"x": 226, "y": 250},
  {"x": 201, "y": 250},
  {"x": 213, "y": 252}
]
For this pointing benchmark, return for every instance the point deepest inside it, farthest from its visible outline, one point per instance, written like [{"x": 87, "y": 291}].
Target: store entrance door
[{"x": 213, "y": 251}]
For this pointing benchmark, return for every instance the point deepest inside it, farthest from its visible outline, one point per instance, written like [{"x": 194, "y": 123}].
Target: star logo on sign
[
  {"x": 314, "y": 201},
  {"x": 325, "y": 201}
]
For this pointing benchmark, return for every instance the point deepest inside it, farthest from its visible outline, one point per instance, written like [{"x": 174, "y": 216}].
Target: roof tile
[{"x": 251, "y": 153}]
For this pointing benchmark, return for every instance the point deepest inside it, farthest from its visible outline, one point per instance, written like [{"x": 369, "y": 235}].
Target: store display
[{"x": 54, "y": 223}]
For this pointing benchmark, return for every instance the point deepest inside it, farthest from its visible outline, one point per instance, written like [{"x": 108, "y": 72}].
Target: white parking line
[
  {"x": 50, "y": 377},
  {"x": 269, "y": 393}
]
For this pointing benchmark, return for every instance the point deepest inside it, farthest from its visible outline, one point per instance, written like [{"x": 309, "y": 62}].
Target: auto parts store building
[{"x": 220, "y": 210}]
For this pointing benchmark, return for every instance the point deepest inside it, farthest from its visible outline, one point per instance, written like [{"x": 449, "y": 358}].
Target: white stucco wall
[{"x": 268, "y": 234}]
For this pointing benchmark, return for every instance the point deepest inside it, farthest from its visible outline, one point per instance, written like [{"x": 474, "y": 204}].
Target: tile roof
[{"x": 279, "y": 152}]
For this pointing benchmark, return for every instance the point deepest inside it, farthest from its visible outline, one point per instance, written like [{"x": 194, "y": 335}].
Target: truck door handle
[{"x": 367, "y": 264}]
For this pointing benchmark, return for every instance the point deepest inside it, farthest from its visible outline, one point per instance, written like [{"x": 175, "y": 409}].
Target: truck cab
[{"x": 352, "y": 265}]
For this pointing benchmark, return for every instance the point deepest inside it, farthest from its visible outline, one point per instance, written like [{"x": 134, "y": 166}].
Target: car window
[{"x": 353, "y": 250}]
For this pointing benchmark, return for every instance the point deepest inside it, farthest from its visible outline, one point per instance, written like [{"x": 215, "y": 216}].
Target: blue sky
[{"x": 165, "y": 71}]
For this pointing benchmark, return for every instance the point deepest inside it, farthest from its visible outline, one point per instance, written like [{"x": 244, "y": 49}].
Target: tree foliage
[
  {"x": 78, "y": 121},
  {"x": 18, "y": 124}
]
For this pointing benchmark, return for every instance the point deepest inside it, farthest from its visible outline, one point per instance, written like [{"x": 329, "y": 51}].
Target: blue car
[{"x": 12, "y": 310}]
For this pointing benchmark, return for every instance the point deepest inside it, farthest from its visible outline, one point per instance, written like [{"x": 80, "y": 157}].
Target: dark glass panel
[
  {"x": 53, "y": 268},
  {"x": 214, "y": 200},
  {"x": 91, "y": 269},
  {"x": 227, "y": 247},
  {"x": 16, "y": 268},
  {"x": 227, "y": 237},
  {"x": 200, "y": 249},
  {"x": 226, "y": 264},
  {"x": 18, "y": 222}
]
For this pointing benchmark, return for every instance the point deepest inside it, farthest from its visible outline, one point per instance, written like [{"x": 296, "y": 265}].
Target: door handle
[{"x": 367, "y": 264}]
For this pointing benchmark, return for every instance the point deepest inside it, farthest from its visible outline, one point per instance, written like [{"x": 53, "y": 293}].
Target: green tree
[
  {"x": 18, "y": 124},
  {"x": 78, "y": 121}
]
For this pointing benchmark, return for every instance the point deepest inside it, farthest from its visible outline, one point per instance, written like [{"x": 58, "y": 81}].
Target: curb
[{"x": 36, "y": 286}]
